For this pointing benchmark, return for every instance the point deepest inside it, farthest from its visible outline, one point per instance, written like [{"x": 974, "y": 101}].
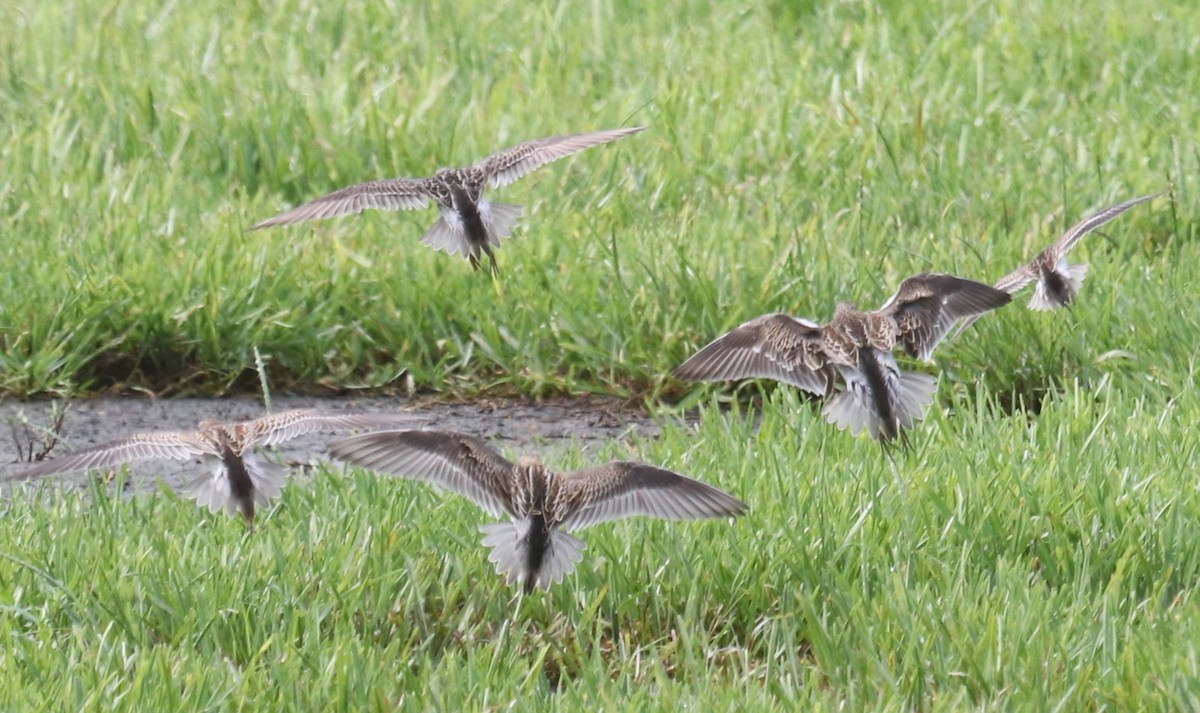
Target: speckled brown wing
[
  {"x": 390, "y": 194},
  {"x": 1076, "y": 232},
  {"x": 1015, "y": 280},
  {"x": 459, "y": 463},
  {"x": 623, "y": 489},
  {"x": 926, "y": 306},
  {"x": 286, "y": 425},
  {"x": 140, "y": 446},
  {"x": 511, "y": 164},
  {"x": 773, "y": 346}
]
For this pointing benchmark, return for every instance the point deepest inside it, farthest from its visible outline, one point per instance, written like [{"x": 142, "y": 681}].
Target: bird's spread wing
[
  {"x": 140, "y": 446},
  {"x": 511, "y": 164},
  {"x": 458, "y": 463},
  {"x": 287, "y": 425},
  {"x": 391, "y": 194},
  {"x": 1025, "y": 274},
  {"x": 774, "y": 346},
  {"x": 1076, "y": 232},
  {"x": 926, "y": 307},
  {"x": 622, "y": 489},
  {"x": 1015, "y": 280}
]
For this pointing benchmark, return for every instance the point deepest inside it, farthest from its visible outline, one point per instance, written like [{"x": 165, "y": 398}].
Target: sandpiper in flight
[
  {"x": 879, "y": 396},
  {"x": 534, "y": 546},
  {"x": 240, "y": 479},
  {"x": 1057, "y": 280},
  {"x": 470, "y": 224}
]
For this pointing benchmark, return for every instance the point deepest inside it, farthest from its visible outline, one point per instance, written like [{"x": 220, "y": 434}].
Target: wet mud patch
[{"x": 548, "y": 427}]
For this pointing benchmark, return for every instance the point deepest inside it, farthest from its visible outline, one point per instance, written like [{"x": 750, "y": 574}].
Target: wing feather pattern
[
  {"x": 522, "y": 159},
  {"x": 390, "y": 194},
  {"x": 773, "y": 346},
  {"x": 623, "y": 489},
  {"x": 140, "y": 446},
  {"x": 462, "y": 464}
]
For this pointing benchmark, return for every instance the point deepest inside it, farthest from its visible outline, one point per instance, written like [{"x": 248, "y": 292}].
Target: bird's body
[
  {"x": 469, "y": 224},
  {"x": 1057, "y": 283},
  {"x": 858, "y": 345},
  {"x": 240, "y": 479},
  {"x": 534, "y": 546},
  {"x": 531, "y": 548}
]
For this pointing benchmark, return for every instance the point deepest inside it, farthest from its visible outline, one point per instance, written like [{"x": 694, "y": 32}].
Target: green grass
[
  {"x": 1056, "y": 566},
  {"x": 795, "y": 156},
  {"x": 1036, "y": 549}
]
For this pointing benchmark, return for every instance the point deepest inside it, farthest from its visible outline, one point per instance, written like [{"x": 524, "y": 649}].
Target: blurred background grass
[{"x": 798, "y": 154}]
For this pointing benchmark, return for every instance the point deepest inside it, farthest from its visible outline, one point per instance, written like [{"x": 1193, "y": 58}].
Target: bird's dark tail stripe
[
  {"x": 868, "y": 364},
  {"x": 535, "y": 550},
  {"x": 241, "y": 486}
]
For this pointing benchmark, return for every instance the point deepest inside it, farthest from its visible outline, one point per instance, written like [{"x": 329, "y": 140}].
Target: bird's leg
[
  {"x": 247, "y": 511},
  {"x": 887, "y": 445},
  {"x": 830, "y": 379}
]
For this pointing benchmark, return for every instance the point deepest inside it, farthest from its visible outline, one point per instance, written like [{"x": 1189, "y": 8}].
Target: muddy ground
[{"x": 546, "y": 427}]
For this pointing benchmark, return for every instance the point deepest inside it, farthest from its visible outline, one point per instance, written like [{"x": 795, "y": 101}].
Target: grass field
[{"x": 1036, "y": 550}]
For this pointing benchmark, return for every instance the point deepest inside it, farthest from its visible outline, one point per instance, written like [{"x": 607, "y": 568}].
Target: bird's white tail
[
  {"x": 910, "y": 396},
  {"x": 268, "y": 478},
  {"x": 499, "y": 219},
  {"x": 916, "y": 394},
  {"x": 509, "y": 543},
  {"x": 448, "y": 235},
  {"x": 212, "y": 490}
]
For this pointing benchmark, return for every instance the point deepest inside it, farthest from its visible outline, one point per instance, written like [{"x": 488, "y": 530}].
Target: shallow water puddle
[{"x": 548, "y": 427}]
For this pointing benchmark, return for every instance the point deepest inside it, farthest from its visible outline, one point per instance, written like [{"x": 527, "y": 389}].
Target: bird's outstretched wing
[
  {"x": 390, "y": 194},
  {"x": 286, "y": 425},
  {"x": 181, "y": 445},
  {"x": 509, "y": 165},
  {"x": 459, "y": 463},
  {"x": 773, "y": 346},
  {"x": 622, "y": 489},
  {"x": 927, "y": 305}
]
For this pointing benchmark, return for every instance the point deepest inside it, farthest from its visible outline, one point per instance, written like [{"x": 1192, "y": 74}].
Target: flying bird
[
  {"x": 879, "y": 396},
  {"x": 534, "y": 547},
  {"x": 470, "y": 224},
  {"x": 1057, "y": 280},
  {"x": 240, "y": 479}
]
